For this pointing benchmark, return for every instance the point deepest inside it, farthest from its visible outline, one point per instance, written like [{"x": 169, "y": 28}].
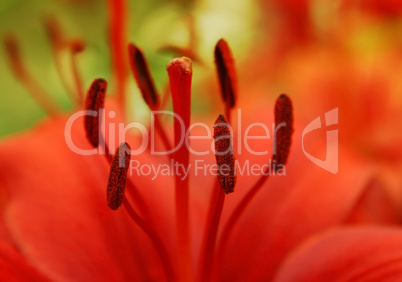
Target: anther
[
  {"x": 226, "y": 72},
  {"x": 116, "y": 185},
  {"x": 142, "y": 76},
  {"x": 42, "y": 97},
  {"x": 94, "y": 101},
  {"x": 283, "y": 131},
  {"x": 12, "y": 49},
  {"x": 224, "y": 155},
  {"x": 54, "y": 32}
]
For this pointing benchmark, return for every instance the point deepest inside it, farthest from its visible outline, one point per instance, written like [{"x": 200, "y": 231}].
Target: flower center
[{"x": 180, "y": 75}]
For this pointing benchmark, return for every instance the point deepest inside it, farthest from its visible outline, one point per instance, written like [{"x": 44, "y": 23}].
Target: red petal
[
  {"x": 288, "y": 210},
  {"x": 13, "y": 267},
  {"x": 56, "y": 210},
  {"x": 374, "y": 206},
  {"x": 366, "y": 254}
]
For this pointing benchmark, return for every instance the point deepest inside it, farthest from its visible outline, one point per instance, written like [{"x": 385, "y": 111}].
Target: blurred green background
[
  {"x": 280, "y": 46},
  {"x": 152, "y": 24}
]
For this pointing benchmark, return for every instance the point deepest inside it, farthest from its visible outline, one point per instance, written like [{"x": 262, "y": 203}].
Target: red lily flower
[{"x": 57, "y": 222}]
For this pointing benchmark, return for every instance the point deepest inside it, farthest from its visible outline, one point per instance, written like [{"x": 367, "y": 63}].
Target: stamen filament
[
  {"x": 165, "y": 96},
  {"x": 156, "y": 240},
  {"x": 116, "y": 196},
  {"x": 77, "y": 78},
  {"x": 40, "y": 95},
  {"x": 55, "y": 34},
  {"x": 235, "y": 216},
  {"x": 207, "y": 257},
  {"x": 283, "y": 121}
]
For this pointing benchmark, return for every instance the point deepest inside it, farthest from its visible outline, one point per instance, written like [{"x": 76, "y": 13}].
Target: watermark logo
[
  {"x": 331, "y": 161},
  {"x": 117, "y": 131}
]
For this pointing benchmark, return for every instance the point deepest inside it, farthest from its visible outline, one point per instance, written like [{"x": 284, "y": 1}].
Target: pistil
[
  {"x": 117, "y": 27},
  {"x": 180, "y": 75}
]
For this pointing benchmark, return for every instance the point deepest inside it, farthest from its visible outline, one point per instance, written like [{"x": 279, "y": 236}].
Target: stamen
[
  {"x": 55, "y": 34},
  {"x": 207, "y": 258},
  {"x": 283, "y": 113},
  {"x": 118, "y": 175},
  {"x": 180, "y": 74},
  {"x": 94, "y": 101},
  {"x": 13, "y": 53},
  {"x": 76, "y": 45},
  {"x": 227, "y": 75},
  {"x": 227, "y": 180},
  {"x": 224, "y": 155},
  {"x": 142, "y": 76},
  {"x": 283, "y": 131},
  {"x": 40, "y": 95},
  {"x": 146, "y": 85},
  {"x": 115, "y": 194}
]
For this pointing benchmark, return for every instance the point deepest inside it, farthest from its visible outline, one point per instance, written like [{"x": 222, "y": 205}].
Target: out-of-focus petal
[
  {"x": 288, "y": 210},
  {"x": 55, "y": 210},
  {"x": 355, "y": 254},
  {"x": 374, "y": 206},
  {"x": 14, "y": 267}
]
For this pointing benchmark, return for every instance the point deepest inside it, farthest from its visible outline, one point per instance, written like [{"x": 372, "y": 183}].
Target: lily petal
[
  {"x": 355, "y": 254},
  {"x": 14, "y": 267},
  {"x": 57, "y": 215}
]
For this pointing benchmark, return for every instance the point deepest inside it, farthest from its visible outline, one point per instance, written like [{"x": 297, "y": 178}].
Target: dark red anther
[
  {"x": 116, "y": 185},
  {"x": 224, "y": 155},
  {"x": 142, "y": 76},
  {"x": 94, "y": 101},
  {"x": 226, "y": 72},
  {"x": 283, "y": 130}
]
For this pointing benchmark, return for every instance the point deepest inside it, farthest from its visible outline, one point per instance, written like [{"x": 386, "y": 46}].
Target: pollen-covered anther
[
  {"x": 226, "y": 72},
  {"x": 283, "y": 130},
  {"x": 224, "y": 155},
  {"x": 94, "y": 101},
  {"x": 116, "y": 185},
  {"x": 142, "y": 76}
]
